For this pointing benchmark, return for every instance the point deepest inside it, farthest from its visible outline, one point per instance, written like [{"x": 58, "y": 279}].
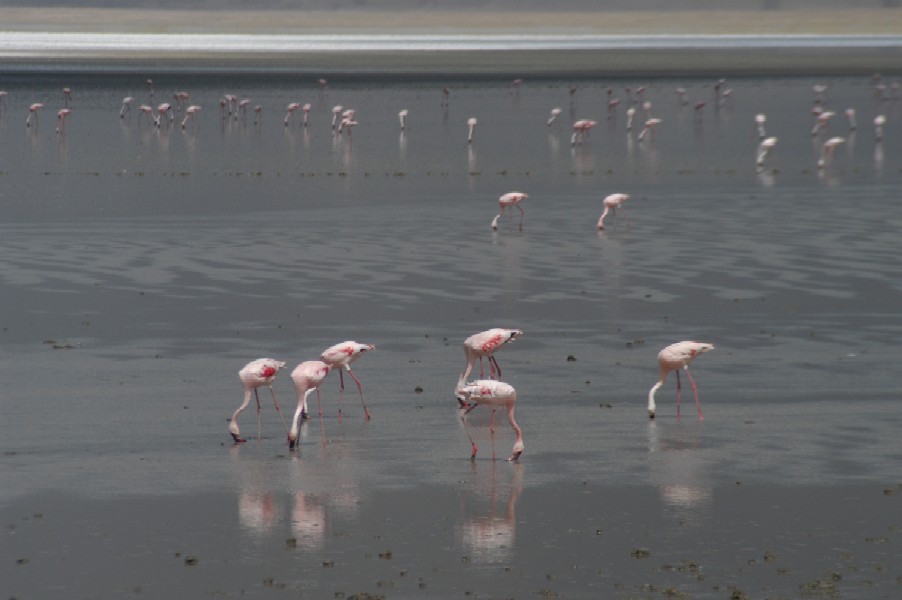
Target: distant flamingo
[
  {"x": 322, "y": 83},
  {"x": 821, "y": 121},
  {"x": 879, "y": 122},
  {"x": 764, "y": 148},
  {"x": 509, "y": 201},
  {"x": 485, "y": 344},
  {"x": 291, "y": 108},
  {"x": 189, "y": 114},
  {"x": 827, "y": 151},
  {"x": 258, "y": 110},
  {"x": 611, "y": 204},
  {"x": 649, "y": 128},
  {"x": 61, "y": 119},
  {"x": 256, "y": 374},
  {"x": 850, "y": 115},
  {"x": 242, "y": 107},
  {"x": 163, "y": 110},
  {"x": 555, "y": 112},
  {"x": 340, "y": 356},
  {"x": 402, "y": 117},
  {"x": 67, "y": 97},
  {"x": 494, "y": 394},
  {"x": 630, "y": 115},
  {"x": 149, "y": 84},
  {"x": 760, "y": 119},
  {"x": 581, "y": 130},
  {"x": 126, "y": 107},
  {"x": 673, "y": 358},
  {"x": 336, "y": 111},
  {"x": 180, "y": 99},
  {"x": 306, "y": 108},
  {"x": 147, "y": 110},
  {"x": 471, "y": 127},
  {"x": 681, "y": 94},
  {"x": 33, "y": 112},
  {"x": 307, "y": 378}
]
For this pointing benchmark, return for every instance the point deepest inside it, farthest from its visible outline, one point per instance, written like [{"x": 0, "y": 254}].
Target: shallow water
[{"x": 142, "y": 268}]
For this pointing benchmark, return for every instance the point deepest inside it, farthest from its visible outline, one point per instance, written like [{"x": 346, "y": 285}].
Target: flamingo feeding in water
[
  {"x": 189, "y": 114},
  {"x": 494, "y": 394},
  {"x": 61, "y": 119},
  {"x": 509, "y": 201},
  {"x": 471, "y": 127},
  {"x": 555, "y": 112},
  {"x": 673, "y": 358},
  {"x": 255, "y": 374},
  {"x": 484, "y": 344},
  {"x": 340, "y": 356},
  {"x": 33, "y": 112},
  {"x": 402, "y": 117},
  {"x": 126, "y": 107},
  {"x": 764, "y": 148},
  {"x": 611, "y": 204},
  {"x": 307, "y": 378},
  {"x": 581, "y": 130},
  {"x": 827, "y": 151},
  {"x": 291, "y": 108}
]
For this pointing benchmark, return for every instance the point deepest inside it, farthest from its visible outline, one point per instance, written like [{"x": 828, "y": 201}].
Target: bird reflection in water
[
  {"x": 678, "y": 467},
  {"x": 488, "y": 511}
]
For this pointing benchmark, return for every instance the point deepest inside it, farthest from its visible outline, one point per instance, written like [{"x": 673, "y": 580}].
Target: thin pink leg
[
  {"x": 492, "y": 429},
  {"x": 521, "y": 216},
  {"x": 278, "y": 409},
  {"x": 360, "y": 388},
  {"x": 322, "y": 426},
  {"x": 259, "y": 425},
  {"x": 341, "y": 393},
  {"x": 494, "y": 361},
  {"x": 679, "y": 387},
  {"x": 481, "y": 369},
  {"x": 695, "y": 392},
  {"x": 467, "y": 429}
]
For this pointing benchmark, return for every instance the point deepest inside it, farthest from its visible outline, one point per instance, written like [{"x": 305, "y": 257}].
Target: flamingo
[
  {"x": 509, "y": 201},
  {"x": 611, "y": 204},
  {"x": 336, "y": 110},
  {"x": 291, "y": 108},
  {"x": 189, "y": 114},
  {"x": 827, "y": 151},
  {"x": 144, "y": 109},
  {"x": 681, "y": 94},
  {"x": 257, "y": 113},
  {"x": 307, "y": 377},
  {"x": 764, "y": 148},
  {"x": 149, "y": 84},
  {"x": 879, "y": 122},
  {"x": 823, "y": 118},
  {"x": 630, "y": 115},
  {"x": 340, "y": 356},
  {"x": 61, "y": 119},
  {"x": 850, "y": 115},
  {"x": 471, "y": 127},
  {"x": 67, "y": 96},
  {"x": 242, "y": 106},
  {"x": 650, "y": 126},
  {"x": 126, "y": 107},
  {"x": 494, "y": 394},
  {"x": 402, "y": 117},
  {"x": 256, "y": 374},
  {"x": 180, "y": 98},
  {"x": 306, "y": 108},
  {"x": 555, "y": 112},
  {"x": 673, "y": 358},
  {"x": 485, "y": 344},
  {"x": 581, "y": 130},
  {"x": 33, "y": 112},
  {"x": 162, "y": 111},
  {"x": 759, "y": 121}
]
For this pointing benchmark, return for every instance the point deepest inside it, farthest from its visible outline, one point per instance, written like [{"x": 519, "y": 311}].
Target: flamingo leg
[
  {"x": 494, "y": 361},
  {"x": 322, "y": 426},
  {"x": 360, "y": 388},
  {"x": 481, "y": 369},
  {"x": 695, "y": 393},
  {"x": 278, "y": 409},
  {"x": 341, "y": 393},
  {"x": 259, "y": 425},
  {"x": 492, "y": 429},
  {"x": 467, "y": 429},
  {"x": 521, "y": 216},
  {"x": 679, "y": 388}
]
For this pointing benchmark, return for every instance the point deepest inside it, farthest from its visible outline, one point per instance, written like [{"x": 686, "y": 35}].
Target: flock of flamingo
[{"x": 308, "y": 376}]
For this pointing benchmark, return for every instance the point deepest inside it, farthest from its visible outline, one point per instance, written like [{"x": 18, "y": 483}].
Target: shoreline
[{"x": 422, "y": 44}]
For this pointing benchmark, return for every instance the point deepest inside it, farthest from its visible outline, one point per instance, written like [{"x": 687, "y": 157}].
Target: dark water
[{"x": 143, "y": 267}]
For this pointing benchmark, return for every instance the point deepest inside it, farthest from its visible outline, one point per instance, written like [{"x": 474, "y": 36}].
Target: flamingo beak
[{"x": 515, "y": 456}]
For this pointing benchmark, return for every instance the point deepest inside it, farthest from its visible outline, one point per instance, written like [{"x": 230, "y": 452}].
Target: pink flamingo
[
  {"x": 307, "y": 377},
  {"x": 144, "y": 109},
  {"x": 581, "y": 130},
  {"x": 611, "y": 203},
  {"x": 256, "y": 374},
  {"x": 257, "y": 113},
  {"x": 162, "y": 111},
  {"x": 291, "y": 108},
  {"x": 555, "y": 113},
  {"x": 336, "y": 111},
  {"x": 879, "y": 122},
  {"x": 189, "y": 114},
  {"x": 673, "y": 358},
  {"x": 149, "y": 84},
  {"x": 67, "y": 97},
  {"x": 306, "y": 108},
  {"x": 850, "y": 115},
  {"x": 471, "y": 127},
  {"x": 340, "y": 356},
  {"x": 61, "y": 119},
  {"x": 760, "y": 119},
  {"x": 402, "y": 117},
  {"x": 484, "y": 344},
  {"x": 180, "y": 99},
  {"x": 126, "y": 107},
  {"x": 820, "y": 123},
  {"x": 33, "y": 112},
  {"x": 767, "y": 144},
  {"x": 630, "y": 115},
  {"x": 494, "y": 394},
  {"x": 509, "y": 201},
  {"x": 827, "y": 151},
  {"x": 649, "y": 128},
  {"x": 242, "y": 107}
]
